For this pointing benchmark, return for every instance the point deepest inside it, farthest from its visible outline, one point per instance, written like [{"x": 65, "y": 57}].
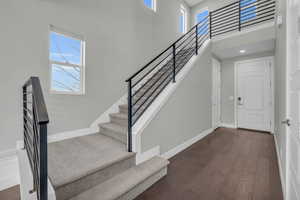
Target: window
[
  {"x": 66, "y": 55},
  {"x": 248, "y": 10},
  {"x": 150, "y": 4},
  {"x": 204, "y": 26},
  {"x": 183, "y": 19}
]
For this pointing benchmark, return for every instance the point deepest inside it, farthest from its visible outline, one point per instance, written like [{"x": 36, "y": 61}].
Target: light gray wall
[
  {"x": 280, "y": 83},
  {"x": 120, "y": 36},
  {"x": 188, "y": 111},
  {"x": 227, "y": 85}
]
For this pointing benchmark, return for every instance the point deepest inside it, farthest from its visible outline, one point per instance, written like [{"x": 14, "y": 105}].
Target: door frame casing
[
  {"x": 219, "y": 91},
  {"x": 272, "y": 110}
]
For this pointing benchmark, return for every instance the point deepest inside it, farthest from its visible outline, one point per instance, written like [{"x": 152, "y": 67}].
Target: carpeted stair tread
[
  {"x": 72, "y": 159},
  {"x": 124, "y": 182}
]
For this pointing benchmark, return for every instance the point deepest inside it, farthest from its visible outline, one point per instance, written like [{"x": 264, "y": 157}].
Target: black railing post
[
  {"x": 24, "y": 112},
  {"x": 197, "y": 39},
  {"x": 210, "y": 33},
  {"x": 239, "y": 15},
  {"x": 35, "y": 135},
  {"x": 43, "y": 162},
  {"x": 129, "y": 137},
  {"x": 174, "y": 63}
]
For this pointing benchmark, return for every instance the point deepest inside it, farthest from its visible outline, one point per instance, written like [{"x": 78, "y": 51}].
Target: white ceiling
[
  {"x": 256, "y": 41},
  {"x": 193, "y": 2},
  {"x": 252, "y": 48}
]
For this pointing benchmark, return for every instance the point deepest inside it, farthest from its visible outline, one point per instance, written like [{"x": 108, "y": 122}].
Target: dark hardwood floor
[
  {"x": 228, "y": 164},
  {"x": 10, "y": 194}
]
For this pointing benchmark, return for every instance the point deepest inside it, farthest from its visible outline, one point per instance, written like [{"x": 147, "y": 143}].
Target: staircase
[
  {"x": 98, "y": 166},
  {"x": 102, "y": 166}
]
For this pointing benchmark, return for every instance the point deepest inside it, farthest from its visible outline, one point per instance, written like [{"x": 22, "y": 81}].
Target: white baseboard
[
  {"x": 94, "y": 128},
  {"x": 9, "y": 173},
  {"x": 228, "y": 125},
  {"x": 280, "y": 166},
  {"x": 71, "y": 134},
  {"x": 142, "y": 157},
  {"x": 186, "y": 144}
]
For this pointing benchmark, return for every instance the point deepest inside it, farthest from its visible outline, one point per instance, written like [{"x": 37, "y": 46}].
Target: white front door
[
  {"x": 254, "y": 92},
  {"x": 216, "y": 94}
]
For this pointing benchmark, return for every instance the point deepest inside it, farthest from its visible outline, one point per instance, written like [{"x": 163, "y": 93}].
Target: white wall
[
  {"x": 227, "y": 85},
  {"x": 121, "y": 36},
  {"x": 280, "y": 87},
  {"x": 291, "y": 161},
  {"x": 188, "y": 111}
]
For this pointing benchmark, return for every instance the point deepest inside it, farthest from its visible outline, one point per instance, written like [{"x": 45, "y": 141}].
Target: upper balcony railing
[
  {"x": 239, "y": 15},
  {"x": 148, "y": 82}
]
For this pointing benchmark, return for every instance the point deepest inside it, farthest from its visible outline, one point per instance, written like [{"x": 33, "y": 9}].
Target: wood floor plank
[
  {"x": 10, "y": 194},
  {"x": 229, "y": 164}
]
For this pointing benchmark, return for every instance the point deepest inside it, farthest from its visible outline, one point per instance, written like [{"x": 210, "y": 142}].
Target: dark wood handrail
[{"x": 38, "y": 101}]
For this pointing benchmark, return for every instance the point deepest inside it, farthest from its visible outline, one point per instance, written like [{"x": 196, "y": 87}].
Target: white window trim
[
  {"x": 183, "y": 12},
  {"x": 153, "y": 6},
  {"x": 82, "y": 66}
]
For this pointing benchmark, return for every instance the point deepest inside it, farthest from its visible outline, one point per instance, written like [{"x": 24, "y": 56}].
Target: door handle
[
  {"x": 240, "y": 101},
  {"x": 286, "y": 122}
]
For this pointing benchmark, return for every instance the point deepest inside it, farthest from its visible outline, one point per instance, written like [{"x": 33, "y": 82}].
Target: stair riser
[
  {"x": 123, "y": 110},
  {"x": 72, "y": 189},
  {"x": 122, "y": 137},
  {"x": 139, "y": 189},
  {"x": 119, "y": 121}
]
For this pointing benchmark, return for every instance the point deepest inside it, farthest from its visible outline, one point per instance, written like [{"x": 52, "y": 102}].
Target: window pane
[
  {"x": 203, "y": 28},
  {"x": 65, "y": 49},
  {"x": 202, "y": 15},
  {"x": 248, "y": 10},
  {"x": 149, "y": 3},
  {"x": 65, "y": 78},
  {"x": 182, "y": 23}
]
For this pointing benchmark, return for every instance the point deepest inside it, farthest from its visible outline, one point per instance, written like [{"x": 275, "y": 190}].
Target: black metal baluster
[
  {"x": 197, "y": 39},
  {"x": 240, "y": 15},
  {"x": 43, "y": 162},
  {"x": 129, "y": 115},
  {"x": 210, "y": 21},
  {"x": 174, "y": 63},
  {"x": 35, "y": 136},
  {"x": 24, "y": 112}
]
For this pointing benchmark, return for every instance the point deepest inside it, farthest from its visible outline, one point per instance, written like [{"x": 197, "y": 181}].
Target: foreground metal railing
[
  {"x": 148, "y": 82},
  {"x": 35, "y": 118}
]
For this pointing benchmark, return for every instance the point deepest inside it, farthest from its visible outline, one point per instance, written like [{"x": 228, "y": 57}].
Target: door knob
[
  {"x": 286, "y": 122},
  {"x": 240, "y": 101}
]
